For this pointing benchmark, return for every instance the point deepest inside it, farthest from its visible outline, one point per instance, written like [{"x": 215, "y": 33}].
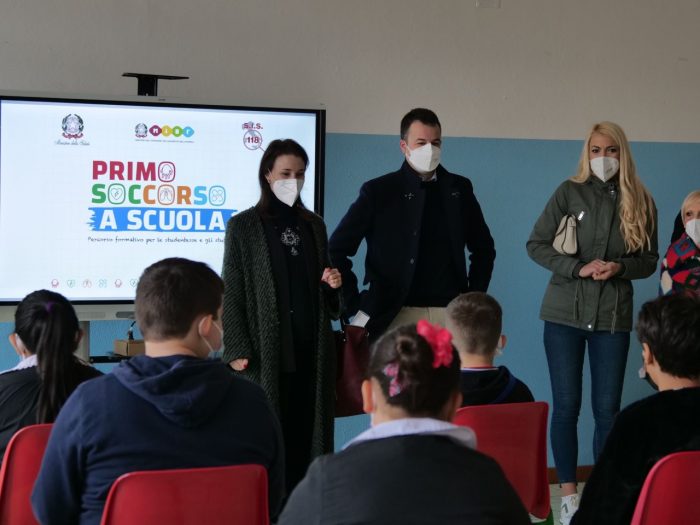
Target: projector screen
[{"x": 92, "y": 192}]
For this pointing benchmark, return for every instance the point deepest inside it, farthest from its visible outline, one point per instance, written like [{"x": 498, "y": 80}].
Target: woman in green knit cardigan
[{"x": 280, "y": 296}]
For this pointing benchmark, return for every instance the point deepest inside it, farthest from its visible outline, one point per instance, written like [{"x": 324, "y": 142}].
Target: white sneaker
[{"x": 569, "y": 506}]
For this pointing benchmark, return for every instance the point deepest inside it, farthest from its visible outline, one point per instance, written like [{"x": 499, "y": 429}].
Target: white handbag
[{"x": 565, "y": 241}]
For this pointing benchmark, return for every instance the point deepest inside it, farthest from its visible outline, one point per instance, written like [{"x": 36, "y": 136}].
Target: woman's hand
[
  {"x": 239, "y": 364},
  {"x": 600, "y": 270},
  {"x": 591, "y": 268},
  {"x": 332, "y": 278},
  {"x": 609, "y": 269}
]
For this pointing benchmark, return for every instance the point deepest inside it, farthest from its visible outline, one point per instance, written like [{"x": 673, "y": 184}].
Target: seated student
[
  {"x": 170, "y": 408},
  {"x": 413, "y": 465},
  {"x": 663, "y": 423},
  {"x": 474, "y": 319},
  {"x": 46, "y": 336}
]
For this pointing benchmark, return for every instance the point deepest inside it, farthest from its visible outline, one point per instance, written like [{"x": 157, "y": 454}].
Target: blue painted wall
[{"x": 512, "y": 179}]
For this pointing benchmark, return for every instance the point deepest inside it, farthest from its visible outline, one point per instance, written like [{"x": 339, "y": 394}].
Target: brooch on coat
[{"x": 291, "y": 239}]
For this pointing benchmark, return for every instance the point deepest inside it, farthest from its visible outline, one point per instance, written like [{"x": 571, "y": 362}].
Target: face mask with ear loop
[
  {"x": 499, "y": 347},
  {"x": 287, "y": 190},
  {"x": 605, "y": 168},
  {"x": 692, "y": 230},
  {"x": 424, "y": 159},
  {"x": 25, "y": 357},
  {"x": 643, "y": 374},
  {"x": 214, "y": 354}
]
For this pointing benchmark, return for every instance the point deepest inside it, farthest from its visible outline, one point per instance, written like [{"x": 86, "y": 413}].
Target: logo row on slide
[{"x": 97, "y": 283}]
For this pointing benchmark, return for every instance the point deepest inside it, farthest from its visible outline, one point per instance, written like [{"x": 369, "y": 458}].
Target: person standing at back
[
  {"x": 281, "y": 295},
  {"x": 416, "y": 222},
  {"x": 588, "y": 301},
  {"x": 680, "y": 268}
]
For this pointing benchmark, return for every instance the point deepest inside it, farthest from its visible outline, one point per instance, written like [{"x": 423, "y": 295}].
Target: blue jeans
[{"x": 607, "y": 354}]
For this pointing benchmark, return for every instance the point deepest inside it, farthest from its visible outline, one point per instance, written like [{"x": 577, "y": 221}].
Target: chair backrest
[
  {"x": 669, "y": 491},
  {"x": 515, "y": 435},
  {"x": 19, "y": 470},
  {"x": 215, "y": 496}
]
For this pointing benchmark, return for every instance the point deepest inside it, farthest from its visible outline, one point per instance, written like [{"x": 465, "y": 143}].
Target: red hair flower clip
[{"x": 439, "y": 339}]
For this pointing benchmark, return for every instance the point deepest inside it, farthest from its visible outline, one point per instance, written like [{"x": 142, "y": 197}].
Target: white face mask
[
  {"x": 424, "y": 159},
  {"x": 499, "y": 346},
  {"x": 692, "y": 228},
  {"x": 211, "y": 348},
  {"x": 605, "y": 168},
  {"x": 287, "y": 190}
]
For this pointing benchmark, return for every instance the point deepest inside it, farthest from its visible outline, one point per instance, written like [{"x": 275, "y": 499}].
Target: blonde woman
[{"x": 588, "y": 302}]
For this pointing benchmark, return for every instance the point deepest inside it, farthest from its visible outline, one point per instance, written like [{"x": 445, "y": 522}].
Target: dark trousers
[{"x": 297, "y": 403}]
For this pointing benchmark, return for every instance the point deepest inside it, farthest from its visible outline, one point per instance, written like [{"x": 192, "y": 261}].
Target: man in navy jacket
[{"x": 416, "y": 222}]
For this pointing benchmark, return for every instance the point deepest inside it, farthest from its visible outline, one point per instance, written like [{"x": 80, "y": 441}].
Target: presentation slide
[{"x": 92, "y": 193}]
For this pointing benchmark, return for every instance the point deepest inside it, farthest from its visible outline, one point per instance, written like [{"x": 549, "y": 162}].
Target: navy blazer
[{"x": 387, "y": 214}]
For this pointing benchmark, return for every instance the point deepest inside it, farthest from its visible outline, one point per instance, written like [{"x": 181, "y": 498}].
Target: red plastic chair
[
  {"x": 20, "y": 467},
  {"x": 515, "y": 435},
  {"x": 215, "y": 496},
  {"x": 669, "y": 492}
]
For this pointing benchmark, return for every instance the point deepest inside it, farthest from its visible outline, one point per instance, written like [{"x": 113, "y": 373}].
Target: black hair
[
  {"x": 47, "y": 324},
  {"x": 276, "y": 149},
  {"x": 670, "y": 325},
  {"x": 171, "y": 294},
  {"x": 405, "y": 358},
  {"x": 426, "y": 116},
  {"x": 477, "y": 318}
]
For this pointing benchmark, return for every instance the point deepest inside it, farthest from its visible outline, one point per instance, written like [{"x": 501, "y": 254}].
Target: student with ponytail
[
  {"x": 45, "y": 338},
  {"x": 413, "y": 465}
]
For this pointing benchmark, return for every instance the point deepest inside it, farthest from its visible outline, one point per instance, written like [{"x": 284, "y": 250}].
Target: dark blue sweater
[
  {"x": 153, "y": 413},
  {"x": 492, "y": 386}
]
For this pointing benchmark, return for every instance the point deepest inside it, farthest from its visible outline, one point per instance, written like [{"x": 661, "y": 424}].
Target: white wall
[{"x": 531, "y": 69}]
